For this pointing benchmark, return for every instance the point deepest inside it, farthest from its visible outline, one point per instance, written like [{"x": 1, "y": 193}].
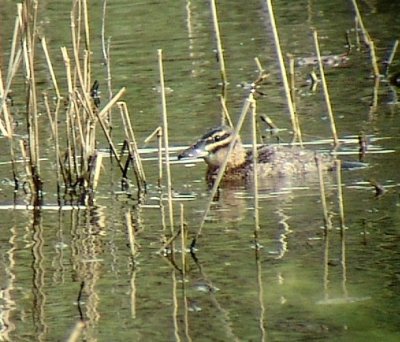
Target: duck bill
[{"x": 195, "y": 151}]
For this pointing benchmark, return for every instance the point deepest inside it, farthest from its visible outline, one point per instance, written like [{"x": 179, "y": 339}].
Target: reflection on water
[{"x": 99, "y": 269}]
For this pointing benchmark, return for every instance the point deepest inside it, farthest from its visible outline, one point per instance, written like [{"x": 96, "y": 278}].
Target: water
[{"x": 299, "y": 285}]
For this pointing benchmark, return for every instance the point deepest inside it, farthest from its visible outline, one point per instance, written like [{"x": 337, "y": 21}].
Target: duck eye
[{"x": 217, "y": 138}]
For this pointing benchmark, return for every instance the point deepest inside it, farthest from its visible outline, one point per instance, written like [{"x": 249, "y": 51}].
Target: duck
[{"x": 272, "y": 160}]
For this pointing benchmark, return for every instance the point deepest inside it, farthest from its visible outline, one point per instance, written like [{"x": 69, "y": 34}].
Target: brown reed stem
[
  {"x": 132, "y": 146},
  {"x": 166, "y": 143},
  {"x": 293, "y": 97},
  {"x": 253, "y": 107},
  {"x": 54, "y": 131},
  {"x": 183, "y": 241},
  {"x": 367, "y": 40},
  {"x": 282, "y": 68},
  {"x": 158, "y": 133},
  {"x": 225, "y": 116},
  {"x": 105, "y": 130},
  {"x": 131, "y": 233},
  {"x": 327, "y": 221},
  {"x": 220, "y": 52},
  {"x": 338, "y": 168},
  {"x": 326, "y": 92},
  {"x": 50, "y": 66},
  {"x": 76, "y": 332}
]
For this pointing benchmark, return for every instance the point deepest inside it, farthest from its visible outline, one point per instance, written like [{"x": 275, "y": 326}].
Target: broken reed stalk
[
  {"x": 165, "y": 136},
  {"x": 50, "y": 66},
  {"x": 132, "y": 146},
  {"x": 326, "y": 92},
  {"x": 327, "y": 221},
  {"x": 106, "y": 132},
  {"x": 27, "y": 17},
  {"x": 253, "y": 108},
  {"x": 221, "y": 170},
  {"x": 158, "y": 133},
  {"x": 367, "y": 39},
  {"x": 282, "y": 69},
  {"x": 338, "y": 168},
  {"x": 219, "y": 43}
]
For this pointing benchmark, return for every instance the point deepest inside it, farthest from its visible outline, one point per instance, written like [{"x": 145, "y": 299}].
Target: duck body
[{"x": 272, "y": 161}]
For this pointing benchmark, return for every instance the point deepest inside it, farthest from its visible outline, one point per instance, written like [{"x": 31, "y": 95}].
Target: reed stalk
[
  {"x": 158, "y": 133},
  {"x": 220, "y": 51},
  {"x": 367, "y": 39},
  {"x": 388, "y": 62},
  {"x": 293, "y": 97},
  {"x": 183, "y": 241},
  {"x": 54, "y": 131},
  {"x": 221, "y": 170},
  {"x": 282, "y": 68},
  {"x": 132, "y": 146},
  {"x": 106, "y": 132},
  {"x": 105, "y": 47},
  {"x": 8, "y": 131},
  {"x": 50, "y": 66},
  {"x": 76, "y": 332},
  {"x": 326, "y": 92},
  {"x": 131, "y": 233},
  {"x": 327, "y": 221},
  {"x": 165, "y": 136},
  {"x": 253, "y": 108},
  {"x": 338, "y": 168},
  {"x": 225, "y": 117}
]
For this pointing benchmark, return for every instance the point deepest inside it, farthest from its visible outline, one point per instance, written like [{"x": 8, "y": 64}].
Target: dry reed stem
[
  {"x": 105, "y": 130},
  {"x": 226, "y": 116},
  {"x": 219, "y": 44},
  {"x": 327, "y": 221},
  {"x": 7, "y": 129},
  {"x": 338, "y": 167},
  {"x": 169, "y": 241},
  {"x": 158, "y": 133},
  {"x": 166, "y": 143},
  {"x": 131, "y": 233},
  {"x": 54, "y": 131},
  {"x": 96, "y": 173},
  {"x": 82, "y": 80},
  {"x": 326, "y": 92},
  {"x": 106, "y": 53},
  {"x": 253, "y": 107},
  {"x": 393, "y": 52},
  {"x": 76, "y": 332},
  {"x": 183, "y": 241},
  {"x": 282, "y": 68},
  {"x": 50, "y": 66},
  {"x": 367, "y": 39},
  {"x": 293, "y": 97},
  {"x": 132, "y": 145},
  {"x": 259, "y": 67},
  {"x": 67, "y": 63},
  {"x": 221, "y": 170}
]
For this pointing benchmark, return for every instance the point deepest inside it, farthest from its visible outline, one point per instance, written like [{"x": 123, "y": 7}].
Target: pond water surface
[{"x": 300, "y": 284}]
